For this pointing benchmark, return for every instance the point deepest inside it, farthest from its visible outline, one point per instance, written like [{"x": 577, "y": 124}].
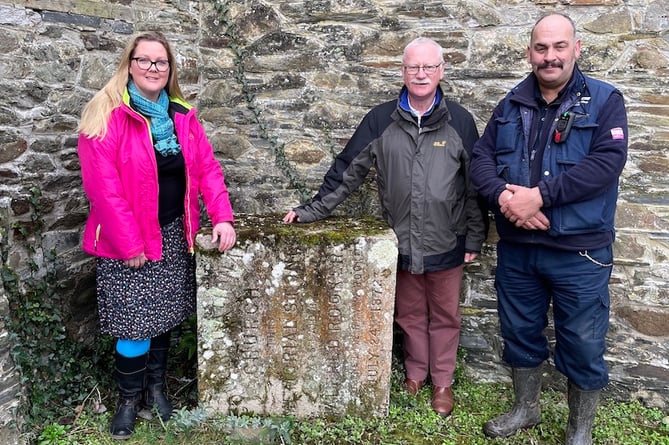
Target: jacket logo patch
[
  {"x": 617, "y": 133},
  {"x": 439, "y": 144}
]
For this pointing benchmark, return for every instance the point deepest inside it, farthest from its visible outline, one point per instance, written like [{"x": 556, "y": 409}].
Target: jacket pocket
[
  {"x": 593, "y": 215},
  {"x": 576, "y": 147},
  {"x": 508, "y": 135},
  {"x": 96, "y": 240}
]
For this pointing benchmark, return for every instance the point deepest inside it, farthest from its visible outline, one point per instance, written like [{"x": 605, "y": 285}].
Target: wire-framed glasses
[
  {"x": 145, "y": 64},
  {"x": 427, "y": 69}
]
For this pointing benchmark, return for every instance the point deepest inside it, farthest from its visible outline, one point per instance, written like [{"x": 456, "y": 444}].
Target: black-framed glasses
[
  {"x": 427, "y": 69},
  {"x": 145, "y": 64}
]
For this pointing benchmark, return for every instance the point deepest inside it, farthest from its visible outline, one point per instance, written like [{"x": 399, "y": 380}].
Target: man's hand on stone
[{"x": 291, "y": 217}]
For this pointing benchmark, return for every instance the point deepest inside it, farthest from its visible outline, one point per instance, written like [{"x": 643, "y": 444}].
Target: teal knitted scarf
[{"x": 162, "y": 127}]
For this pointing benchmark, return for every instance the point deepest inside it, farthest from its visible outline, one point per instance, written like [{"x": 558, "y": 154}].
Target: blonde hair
[{"x": 95, "y": 115}]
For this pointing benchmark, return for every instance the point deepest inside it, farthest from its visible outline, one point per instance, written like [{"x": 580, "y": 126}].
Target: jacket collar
[
  {"x": 434, "y": 114},
  {"x": 173, "y": 100},
  {"x": 525, "y": 92},
  {"x": 404, "y": 100}
]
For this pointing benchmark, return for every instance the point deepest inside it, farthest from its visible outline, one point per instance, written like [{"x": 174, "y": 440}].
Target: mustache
[
  {"x": 541, "y": 66},
  {"x": 420, "y": 82}
]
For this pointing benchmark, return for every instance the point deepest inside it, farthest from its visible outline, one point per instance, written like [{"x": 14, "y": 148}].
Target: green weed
[{"x": 410, "y": 421}]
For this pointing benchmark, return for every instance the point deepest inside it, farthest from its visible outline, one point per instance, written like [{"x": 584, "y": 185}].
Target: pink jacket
[{"x": 120, "y": 179}]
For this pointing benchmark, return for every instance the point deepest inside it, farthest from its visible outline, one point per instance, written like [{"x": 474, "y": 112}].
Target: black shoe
[
  {"x": 130, "y": 379},
  {"x": 155, "y": 401},
  {"x": 123, "y": 424}
]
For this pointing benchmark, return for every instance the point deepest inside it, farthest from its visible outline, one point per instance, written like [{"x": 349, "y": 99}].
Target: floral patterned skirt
[{"x": 142, "y": 303}]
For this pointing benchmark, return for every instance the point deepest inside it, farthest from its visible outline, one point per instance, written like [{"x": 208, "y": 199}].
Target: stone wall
[
  {"x": 281, "y": 86},
  {"x": 10, "y": 388}
]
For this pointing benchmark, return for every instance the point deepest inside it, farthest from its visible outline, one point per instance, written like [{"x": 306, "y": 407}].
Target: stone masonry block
[{"x": 297, "y": 319}]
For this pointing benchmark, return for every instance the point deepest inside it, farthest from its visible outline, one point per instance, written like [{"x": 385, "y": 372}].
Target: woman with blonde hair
[{"x": 145, "y": 162}]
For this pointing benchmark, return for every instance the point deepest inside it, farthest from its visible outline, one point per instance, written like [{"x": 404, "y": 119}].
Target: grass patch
[{"x": 410, "y": 421}]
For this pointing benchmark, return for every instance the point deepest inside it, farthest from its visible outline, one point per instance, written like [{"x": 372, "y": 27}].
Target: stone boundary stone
[{"x": 297, "y": 319}]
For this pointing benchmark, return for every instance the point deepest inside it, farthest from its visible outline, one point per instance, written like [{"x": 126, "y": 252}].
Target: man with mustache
[
  {"x": 549, "y": 163},
  {"x": 420, "y": 146}
]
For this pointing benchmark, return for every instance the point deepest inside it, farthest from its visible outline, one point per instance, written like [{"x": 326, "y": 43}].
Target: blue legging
[{"x": 132, "y": 348}]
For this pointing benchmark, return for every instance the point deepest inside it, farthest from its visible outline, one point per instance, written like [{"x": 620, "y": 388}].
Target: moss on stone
[{"x": 330, "y": 231}]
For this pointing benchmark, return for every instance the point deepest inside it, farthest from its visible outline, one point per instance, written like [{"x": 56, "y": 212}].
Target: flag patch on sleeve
[{"x": 617, "y": 133}]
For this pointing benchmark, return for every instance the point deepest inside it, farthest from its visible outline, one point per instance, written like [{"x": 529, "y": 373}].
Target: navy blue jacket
[{"x": 578, "y": 179}]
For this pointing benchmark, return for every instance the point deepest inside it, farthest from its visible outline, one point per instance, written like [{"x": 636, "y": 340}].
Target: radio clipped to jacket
[{"x": 563, "y": 128}]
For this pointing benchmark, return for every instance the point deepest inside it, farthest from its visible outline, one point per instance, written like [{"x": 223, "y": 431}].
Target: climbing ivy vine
[
  {"x": 230, "y": 31},
  {"x": 56, "y": 372}
]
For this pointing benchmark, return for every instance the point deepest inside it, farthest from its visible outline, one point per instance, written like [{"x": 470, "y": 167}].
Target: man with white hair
[{"x": 420, "y": 145}]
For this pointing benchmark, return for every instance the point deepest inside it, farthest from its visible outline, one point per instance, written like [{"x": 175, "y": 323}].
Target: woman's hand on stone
[{"x": 225, "y": 234}]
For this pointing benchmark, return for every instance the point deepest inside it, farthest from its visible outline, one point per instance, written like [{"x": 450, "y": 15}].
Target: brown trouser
[{"x": 427, "y": 308}]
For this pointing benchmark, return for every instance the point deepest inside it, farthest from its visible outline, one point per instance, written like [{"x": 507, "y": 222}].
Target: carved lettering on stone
[{"x": 297, "y": 319}]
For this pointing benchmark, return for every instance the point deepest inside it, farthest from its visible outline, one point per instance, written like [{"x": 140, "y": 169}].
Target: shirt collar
[{"x": 404, "y": 102}]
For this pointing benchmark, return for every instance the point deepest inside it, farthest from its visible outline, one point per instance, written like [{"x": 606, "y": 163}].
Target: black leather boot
[
  {"x": 582, "y": 410},
  {"x": 526, "y": 411},
  {"x": 153, "y": 397},
  {"x": 130, "y": 378}
]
